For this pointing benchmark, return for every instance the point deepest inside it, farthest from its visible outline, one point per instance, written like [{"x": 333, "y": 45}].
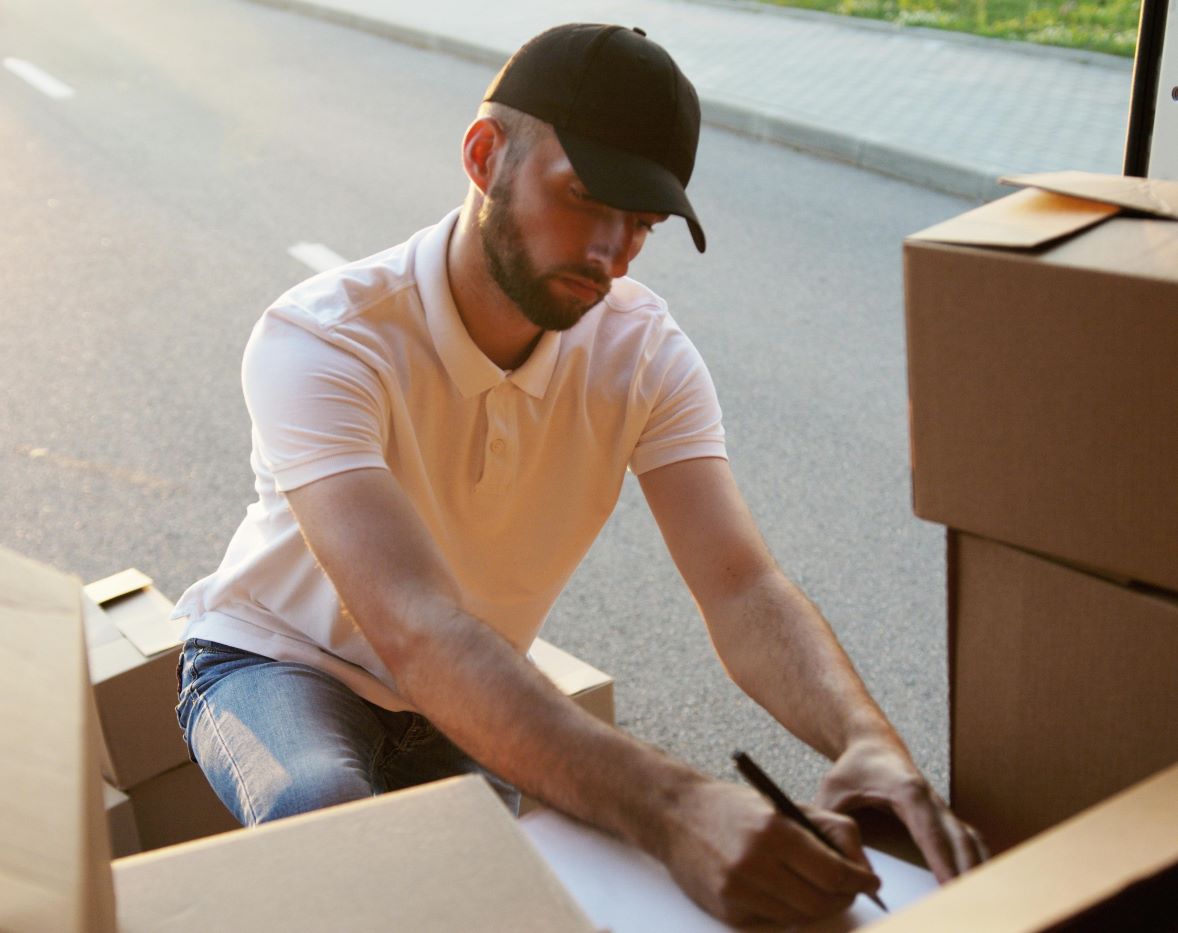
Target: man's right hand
[{"x": 742, "y": 861}]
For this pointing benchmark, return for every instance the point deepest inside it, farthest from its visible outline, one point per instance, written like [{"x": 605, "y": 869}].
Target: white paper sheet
[{"x": 624, "y": 890}]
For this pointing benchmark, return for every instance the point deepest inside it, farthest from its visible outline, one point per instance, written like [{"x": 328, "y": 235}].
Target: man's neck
[{"x": 491, "y": 319}]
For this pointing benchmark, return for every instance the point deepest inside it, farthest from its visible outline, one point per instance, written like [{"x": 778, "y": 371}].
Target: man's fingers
[
  {"x": 924, "y": 823},
  {"x": 949, "y": 846},
  {"x": 843, "y": 831},
  {"x": 844, "y": 872},
  {"x": 781, "y": 897},
  {"x": 973, "y": 850}
]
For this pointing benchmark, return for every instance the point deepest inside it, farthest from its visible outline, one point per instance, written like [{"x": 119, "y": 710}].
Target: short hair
[{"x": 523, "y": 130}]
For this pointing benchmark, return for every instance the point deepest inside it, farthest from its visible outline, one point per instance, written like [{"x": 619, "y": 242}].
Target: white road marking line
[
  {"x": 316, "y": 255},
  {"x": 41, "y": 80}
]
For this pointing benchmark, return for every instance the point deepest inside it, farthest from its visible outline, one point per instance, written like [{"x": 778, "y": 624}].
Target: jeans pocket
[{"x": 420, "y": 732}]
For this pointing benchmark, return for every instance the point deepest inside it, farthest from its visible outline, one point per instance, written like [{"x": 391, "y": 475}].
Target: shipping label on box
[
  {"x": 1063, "y": 688},
  {"x": 1042, "y": 381},
  {"x": 133, "y": 650}
]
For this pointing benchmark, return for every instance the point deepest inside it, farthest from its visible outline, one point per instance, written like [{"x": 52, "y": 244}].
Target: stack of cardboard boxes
[
  {"x": 155, "y": 796},
  {"x": 1043, "y": 378}
]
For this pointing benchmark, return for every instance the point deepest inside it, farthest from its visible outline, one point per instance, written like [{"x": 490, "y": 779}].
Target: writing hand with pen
[{"x": 743, "y": 860}]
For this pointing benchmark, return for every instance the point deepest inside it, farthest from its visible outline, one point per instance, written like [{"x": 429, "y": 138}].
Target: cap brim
[{"x": 629, "y": 182}]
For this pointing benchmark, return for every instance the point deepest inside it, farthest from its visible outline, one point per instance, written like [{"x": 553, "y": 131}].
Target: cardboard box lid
[
  {"x": 137, "y": 609},
  {"x": 1053, "y": 205},
  {"x": 54, "y": 852},
  {"x": 441, "y": 857},
  {"x": 1063, "y": 872}
]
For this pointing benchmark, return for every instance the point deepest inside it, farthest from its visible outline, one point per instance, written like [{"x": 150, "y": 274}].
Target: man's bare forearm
[{"x": 780, "y": 650}]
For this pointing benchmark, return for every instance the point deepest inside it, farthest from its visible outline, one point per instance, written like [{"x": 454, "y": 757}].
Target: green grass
[{"x": 1097, "y": 25}]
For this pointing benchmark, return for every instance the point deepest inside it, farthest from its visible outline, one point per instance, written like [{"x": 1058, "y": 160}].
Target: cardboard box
[
  {"x": 1063, "y": 688},
  {"x": 1042, "y": 375},
  {"x": 133, "y": 651},
  {"x": 441, "y": 857},
  {"x": 177, "y": 806},
  {"x": 120, "y": 822},
  {"x": 54, "y": 851},
  {"x": 1114, "y": 867}
]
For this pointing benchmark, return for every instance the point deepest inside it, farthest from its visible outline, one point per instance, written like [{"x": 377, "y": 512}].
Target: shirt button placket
[{"x": 497, "y": 456}]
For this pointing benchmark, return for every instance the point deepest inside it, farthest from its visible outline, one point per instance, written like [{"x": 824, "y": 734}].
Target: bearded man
[{"x": 440, "y": 431}]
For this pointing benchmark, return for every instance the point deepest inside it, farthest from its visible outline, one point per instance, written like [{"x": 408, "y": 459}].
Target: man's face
[{"x": 550, "y": 247}]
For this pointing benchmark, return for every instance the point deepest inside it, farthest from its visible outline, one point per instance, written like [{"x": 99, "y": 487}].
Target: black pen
[{"x": 786, "y": 807}]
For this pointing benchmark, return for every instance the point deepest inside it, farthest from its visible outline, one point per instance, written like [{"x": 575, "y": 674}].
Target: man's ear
[{"x": 482, "y": 148}]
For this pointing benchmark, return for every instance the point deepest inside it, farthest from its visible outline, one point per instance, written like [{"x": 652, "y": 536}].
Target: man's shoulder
[
  {"x": 348, "y": 292},
  {"x": 629, "y": 296}
]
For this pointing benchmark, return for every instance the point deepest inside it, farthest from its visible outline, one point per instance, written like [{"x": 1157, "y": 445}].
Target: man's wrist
[
  {"x": 658, "y": 805},
  {"x": 871, "y": 730}
]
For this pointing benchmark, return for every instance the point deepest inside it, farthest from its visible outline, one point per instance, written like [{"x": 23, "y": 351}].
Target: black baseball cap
[{"x": 625, "y": 114}]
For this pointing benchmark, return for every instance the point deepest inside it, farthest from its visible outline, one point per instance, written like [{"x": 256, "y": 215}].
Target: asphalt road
[{"x": 146, "y": 220}]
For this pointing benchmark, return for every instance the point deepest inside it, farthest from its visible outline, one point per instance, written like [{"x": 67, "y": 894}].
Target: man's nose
[{"x": 612, "y": 246}]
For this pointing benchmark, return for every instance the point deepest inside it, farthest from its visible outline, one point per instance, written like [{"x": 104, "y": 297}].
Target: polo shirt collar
[{"x": 469, "y": 368}]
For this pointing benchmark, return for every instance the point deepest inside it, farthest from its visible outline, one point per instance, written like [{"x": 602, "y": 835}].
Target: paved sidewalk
[{"x": 946, "y": 111}]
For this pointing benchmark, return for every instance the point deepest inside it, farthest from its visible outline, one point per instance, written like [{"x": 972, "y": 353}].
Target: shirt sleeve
[
  {"x": 685, "y": 419},
  {"x": 317, "y": 409}
]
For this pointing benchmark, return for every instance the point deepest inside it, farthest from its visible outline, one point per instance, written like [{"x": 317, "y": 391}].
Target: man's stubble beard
[{"x": 513, "y": 271}]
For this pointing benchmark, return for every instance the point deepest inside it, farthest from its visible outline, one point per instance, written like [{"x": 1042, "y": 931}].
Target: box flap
[
  {"x": 569, "y": 673},
  {"x": 116, "y": 585},
  {"x": 1024, "y": 220},
  {"x": 1063, "y": 872},
  {"x": 143, "y": 618},
  {"x": 1149, "y": 195},
  {"x": 128, "y": 602}
]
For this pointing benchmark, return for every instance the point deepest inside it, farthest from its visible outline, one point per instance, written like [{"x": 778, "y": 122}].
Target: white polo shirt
[{"x": 513, "y": 473}]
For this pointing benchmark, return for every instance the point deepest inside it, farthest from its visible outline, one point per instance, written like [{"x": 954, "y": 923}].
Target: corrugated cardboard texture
[
  {"x": 1042, "y": 390},
  {"x": 1057, "y": 875},
  {"x": 54, "y": 853},
  {"x": 439, "y": 858},
  {"x": 177, "y": 806},
  {"x": 1064, "y": 688}
]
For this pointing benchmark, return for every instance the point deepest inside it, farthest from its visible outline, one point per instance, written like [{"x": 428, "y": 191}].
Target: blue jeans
[{"x": 276, "y": 738}]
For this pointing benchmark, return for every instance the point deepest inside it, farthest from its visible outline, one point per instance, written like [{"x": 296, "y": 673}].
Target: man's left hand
[{"x": 878, "y": 775}]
